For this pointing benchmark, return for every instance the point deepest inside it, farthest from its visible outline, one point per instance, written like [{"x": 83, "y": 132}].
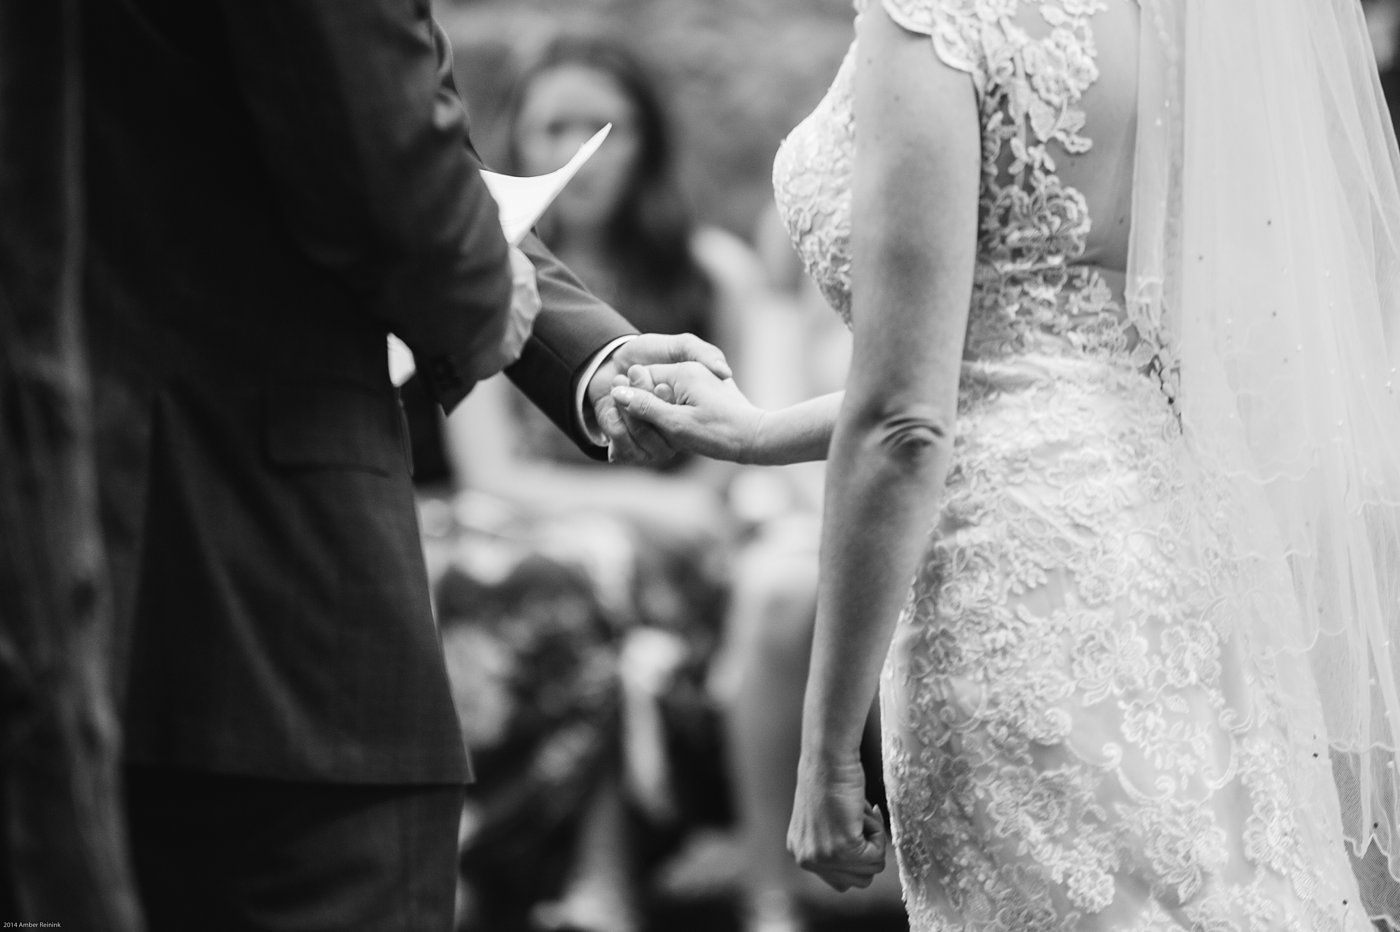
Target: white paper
[
  {"x": 401, "y": 364},
  {"x": 521, "y": 202}
]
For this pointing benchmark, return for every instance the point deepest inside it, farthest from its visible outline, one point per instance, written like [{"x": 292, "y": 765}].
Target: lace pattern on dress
[
  {"x": 949, "y": 29},
  {"x": 1033, "y": 227},
  {"x": 1077, "y": 735}
]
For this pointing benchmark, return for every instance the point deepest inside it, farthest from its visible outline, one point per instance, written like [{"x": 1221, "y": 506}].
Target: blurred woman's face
[{"x": 562, "y": 108}]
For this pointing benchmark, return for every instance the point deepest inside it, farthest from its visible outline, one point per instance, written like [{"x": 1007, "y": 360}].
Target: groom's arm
[
  {"x": 579, "y": 345},
  {"x": 369, "y": 160},
  {"x": 574, "y": 349},
  {"x": 573, "y": 327},
  {"x": 571, "y": 330}
]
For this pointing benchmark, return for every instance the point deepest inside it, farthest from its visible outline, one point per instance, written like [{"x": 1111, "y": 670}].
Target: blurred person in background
[
  {"x": 622, "y": 222},
  {"x": 609, "y": 738}
]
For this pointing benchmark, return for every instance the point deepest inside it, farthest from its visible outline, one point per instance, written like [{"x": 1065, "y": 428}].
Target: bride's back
[
  {"x": 1057, "y": 86},
  {"x": 1103, "y": 173}
]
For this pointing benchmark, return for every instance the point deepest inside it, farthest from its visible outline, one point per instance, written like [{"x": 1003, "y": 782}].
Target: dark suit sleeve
[
  {"x": 367, "y": 147},
  {"x": 571, "y": 328}
]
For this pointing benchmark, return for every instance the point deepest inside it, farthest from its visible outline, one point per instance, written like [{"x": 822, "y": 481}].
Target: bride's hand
[
  {"x": 694, "y": 409},
  {"x": 835, "y": 832}
]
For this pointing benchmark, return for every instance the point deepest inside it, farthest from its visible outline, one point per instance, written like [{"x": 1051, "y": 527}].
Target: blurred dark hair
[{"x": 661, "y": 285}]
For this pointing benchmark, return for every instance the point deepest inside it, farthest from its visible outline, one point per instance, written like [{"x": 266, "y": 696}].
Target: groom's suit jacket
[{"x": 272, "y": 187}]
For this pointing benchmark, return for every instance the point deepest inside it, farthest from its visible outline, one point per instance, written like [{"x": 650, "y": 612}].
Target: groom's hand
[{"x": 631, "y": 440}]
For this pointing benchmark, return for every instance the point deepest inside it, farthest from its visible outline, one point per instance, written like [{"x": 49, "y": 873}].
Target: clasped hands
[
  {"x": 659, "y": 394},
  {"x": 658, "y": 406}
]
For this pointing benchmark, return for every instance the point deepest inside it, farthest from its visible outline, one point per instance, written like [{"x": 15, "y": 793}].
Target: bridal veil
[{"x": 1266, "y": 244}]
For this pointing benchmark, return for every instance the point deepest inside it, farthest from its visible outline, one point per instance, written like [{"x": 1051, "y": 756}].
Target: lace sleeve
[{"x": 952, "y": 24}]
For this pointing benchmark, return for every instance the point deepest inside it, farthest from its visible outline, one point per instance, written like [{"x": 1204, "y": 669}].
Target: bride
[{"x": 1124, "y": 281}]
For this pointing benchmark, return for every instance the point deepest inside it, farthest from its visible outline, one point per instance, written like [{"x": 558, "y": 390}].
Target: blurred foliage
[{"x": 739, "y": 74}]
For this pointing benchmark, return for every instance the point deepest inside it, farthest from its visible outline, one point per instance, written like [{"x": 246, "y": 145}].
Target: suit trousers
[{"x": 237, "y": 854}]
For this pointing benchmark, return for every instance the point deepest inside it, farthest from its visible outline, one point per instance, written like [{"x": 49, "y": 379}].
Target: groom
[{"x": 272, "y": 186}]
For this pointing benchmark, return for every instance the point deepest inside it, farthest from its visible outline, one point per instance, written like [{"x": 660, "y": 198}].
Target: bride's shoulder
[{"x": 952, "y": 24}]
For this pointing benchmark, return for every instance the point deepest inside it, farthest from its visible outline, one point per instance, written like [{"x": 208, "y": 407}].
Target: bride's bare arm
[
  {"x": 696, "y": 411},
  {"x": 799, "y": 433},
  {"x": 914, "y": 229}
]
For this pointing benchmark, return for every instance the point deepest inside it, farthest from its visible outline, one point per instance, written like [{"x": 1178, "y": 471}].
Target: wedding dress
[{"x": 1080, "y": 728}]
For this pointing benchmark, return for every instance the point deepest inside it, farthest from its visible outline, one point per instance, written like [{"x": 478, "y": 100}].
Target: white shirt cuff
[{"x": 581, "y": 413}]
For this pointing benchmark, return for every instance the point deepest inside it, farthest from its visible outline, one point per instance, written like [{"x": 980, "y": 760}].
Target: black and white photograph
[{"x": 700, "y": 465}]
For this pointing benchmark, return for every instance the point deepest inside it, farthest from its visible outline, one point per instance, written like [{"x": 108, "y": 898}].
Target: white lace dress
[{"x": 1075, "y": 736}]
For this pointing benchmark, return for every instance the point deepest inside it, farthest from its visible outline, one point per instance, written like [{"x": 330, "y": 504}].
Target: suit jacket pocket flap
[{"x": 334, "y": 427}]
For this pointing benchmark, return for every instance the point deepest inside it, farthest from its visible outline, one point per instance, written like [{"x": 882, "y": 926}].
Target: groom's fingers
[
  {"x": 640, "y": 443},
  {"x": 630, "y": 441},
  {"x": 688, "y": 347},
  {"x": 656, "y": 348}
]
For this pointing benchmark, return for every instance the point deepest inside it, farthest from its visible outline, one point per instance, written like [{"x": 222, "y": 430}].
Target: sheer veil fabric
[{"x": 1266, "y": 245}]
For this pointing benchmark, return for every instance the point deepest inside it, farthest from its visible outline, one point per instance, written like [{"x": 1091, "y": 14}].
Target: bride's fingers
[
  {"x": 863, "y": 856},
  {"x": 873, "y": 827},
  {"x": 640, "y": 378},
  {"x": 646, "y": 407},
  {"x": 841, "y": 882},
  {"x": 854, "y": 868}
]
